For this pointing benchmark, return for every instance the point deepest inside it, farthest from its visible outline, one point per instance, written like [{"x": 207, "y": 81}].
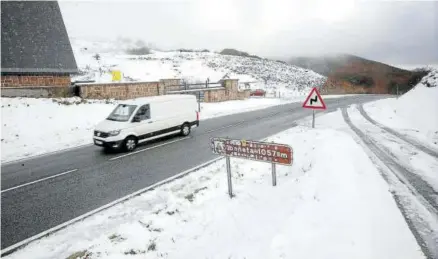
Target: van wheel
[
  {"x": 185, "y": 129},
  {"x": 130, "y": 143}
]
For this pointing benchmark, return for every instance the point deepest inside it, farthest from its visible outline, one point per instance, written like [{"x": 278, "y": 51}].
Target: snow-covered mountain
[
  {"x": 431, "y": 79},
  {"x": 193, "y": 67}
]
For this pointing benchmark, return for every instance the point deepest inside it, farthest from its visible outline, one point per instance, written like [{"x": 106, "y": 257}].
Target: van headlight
[{"x": 114, "y": 132}]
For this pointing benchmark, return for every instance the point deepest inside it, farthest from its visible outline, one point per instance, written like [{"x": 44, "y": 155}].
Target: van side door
[{"x": 143, "y": 123}]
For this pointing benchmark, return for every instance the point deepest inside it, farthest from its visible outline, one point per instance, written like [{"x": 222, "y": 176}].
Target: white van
[{"x": 136, "y": 121}]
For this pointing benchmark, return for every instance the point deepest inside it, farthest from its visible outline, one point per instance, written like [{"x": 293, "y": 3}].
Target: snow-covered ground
[
  {"x": 193, "y": 67},
  {"x": 414, "y": 113},
  {"x": 331, "y": 203},
  {"x": 421, "y": 163}
]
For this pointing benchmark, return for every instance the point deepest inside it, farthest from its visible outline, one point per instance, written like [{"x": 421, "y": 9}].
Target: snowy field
[
  {"x": 26, "y": 131},
  {"x": 331, "y": 203},
  {"x": 414, "y": 113}
]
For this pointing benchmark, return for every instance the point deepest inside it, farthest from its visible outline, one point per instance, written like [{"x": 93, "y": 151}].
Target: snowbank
[
  {"x": 414, "y": 113},
  {"x": 36, "y": 126},
  {"x": 332, "y": 203}
]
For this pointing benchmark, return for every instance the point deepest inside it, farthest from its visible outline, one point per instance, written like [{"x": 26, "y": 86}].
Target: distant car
[
  {"x": 142, "y": 119},
  {"x": 258, "y": 92}
]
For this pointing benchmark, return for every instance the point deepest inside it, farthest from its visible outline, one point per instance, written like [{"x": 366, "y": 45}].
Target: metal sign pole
[
  {"x": 230, "y": 186},
  {"x": 199, "y": 101},
  {"x": 274, "y": 175},
  {"x": 313, "y": 119}
]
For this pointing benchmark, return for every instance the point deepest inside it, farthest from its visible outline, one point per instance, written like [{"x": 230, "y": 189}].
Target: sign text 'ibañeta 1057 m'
[{"x": 253, "y": 150}]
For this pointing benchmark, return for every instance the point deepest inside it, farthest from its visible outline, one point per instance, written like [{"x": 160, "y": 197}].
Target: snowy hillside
[
  {"x": 414, "y": 113},
  {"x": 191, "y": 66}
]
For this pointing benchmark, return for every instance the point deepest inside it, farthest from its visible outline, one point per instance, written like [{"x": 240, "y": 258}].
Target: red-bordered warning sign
[{"x": 314, "y": 101}]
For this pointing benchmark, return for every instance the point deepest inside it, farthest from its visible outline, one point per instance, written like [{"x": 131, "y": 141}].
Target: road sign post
[
  {"x": 199, "y": 101},
  {"x": 253, "y": 150},
  {"x": 315, "y": 102},
  {"x": 230, "y": 184},
  {"x": 274, "y": 175}
]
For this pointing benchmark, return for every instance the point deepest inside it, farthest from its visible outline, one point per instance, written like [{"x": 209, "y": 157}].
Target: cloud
[{"x": 389, "y": 31}]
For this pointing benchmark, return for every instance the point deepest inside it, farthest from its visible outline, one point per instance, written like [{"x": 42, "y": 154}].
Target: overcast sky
[{"x": 396, "y": 32}]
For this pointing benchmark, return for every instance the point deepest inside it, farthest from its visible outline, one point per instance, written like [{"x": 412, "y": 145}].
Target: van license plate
[{"x": 98, "y": 142}]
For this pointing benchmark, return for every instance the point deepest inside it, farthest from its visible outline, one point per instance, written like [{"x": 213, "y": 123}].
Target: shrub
[
  {"x": 96, "y": 56},
  {"x": 413, "y": 80},
  {"x": 359, "y": 80},
  {"x": 416, "y": 77},
  {"x": 192, "y": 50},
  {"x": 234, "y": 52},
  {"x": 185, "y": 50},
  {"x": 138, "y": 51}
]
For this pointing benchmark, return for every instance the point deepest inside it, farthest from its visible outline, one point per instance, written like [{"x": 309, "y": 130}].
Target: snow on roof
[{"x": 161, "y": 98}]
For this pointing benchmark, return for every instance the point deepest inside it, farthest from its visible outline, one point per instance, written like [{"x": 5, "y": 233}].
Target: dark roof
[{"x": 34, "y": 38}]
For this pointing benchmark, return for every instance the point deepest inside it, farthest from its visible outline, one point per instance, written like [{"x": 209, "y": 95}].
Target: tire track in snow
[
  {"x": 426, "y": 195},
  {"x": 419, "y": 186},
  {"x": 411, "y": 141}
]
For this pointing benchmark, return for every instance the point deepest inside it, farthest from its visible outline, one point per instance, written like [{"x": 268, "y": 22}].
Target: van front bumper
[{"x": 107, "y": 144}]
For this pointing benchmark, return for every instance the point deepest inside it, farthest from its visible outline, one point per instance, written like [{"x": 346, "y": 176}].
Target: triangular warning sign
[{"x": 314, "y": 101}]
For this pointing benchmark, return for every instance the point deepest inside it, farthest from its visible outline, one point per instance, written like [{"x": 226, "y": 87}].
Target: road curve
[{"x": 43, "y": 195}]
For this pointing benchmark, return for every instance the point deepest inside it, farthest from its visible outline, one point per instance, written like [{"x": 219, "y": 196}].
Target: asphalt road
[{"x": 99, "y": 178}]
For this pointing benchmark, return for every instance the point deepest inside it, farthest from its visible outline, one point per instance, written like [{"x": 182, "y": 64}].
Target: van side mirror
[{"x": 136, "y": 118}]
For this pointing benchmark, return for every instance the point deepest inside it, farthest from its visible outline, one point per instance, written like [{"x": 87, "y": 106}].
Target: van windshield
[{"x": 122, "y": 112}]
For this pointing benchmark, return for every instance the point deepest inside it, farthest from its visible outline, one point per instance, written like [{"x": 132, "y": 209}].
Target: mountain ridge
[{"x": 348, "y": 73}]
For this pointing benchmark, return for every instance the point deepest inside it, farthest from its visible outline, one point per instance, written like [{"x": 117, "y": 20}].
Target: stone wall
[
  {"x": 37, "y": 92},
  {"x": 231, "y": 92},
  {"x": 35, "y": 80},
  {"x": 170, "y": 84},
  {"x": 215, "y": 96},
  {"x": 120, "y": 91},
  {"x": 52, "y": 85},
  {"x": 132, "y": 90}
]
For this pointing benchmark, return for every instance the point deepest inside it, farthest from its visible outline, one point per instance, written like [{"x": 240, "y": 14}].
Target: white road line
[
  {"x": 22, "y": 243},
  {"x": 224, "y": 127},
  {"x": 40, "y": 180},
  {"x": 138, "y": 151}
]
